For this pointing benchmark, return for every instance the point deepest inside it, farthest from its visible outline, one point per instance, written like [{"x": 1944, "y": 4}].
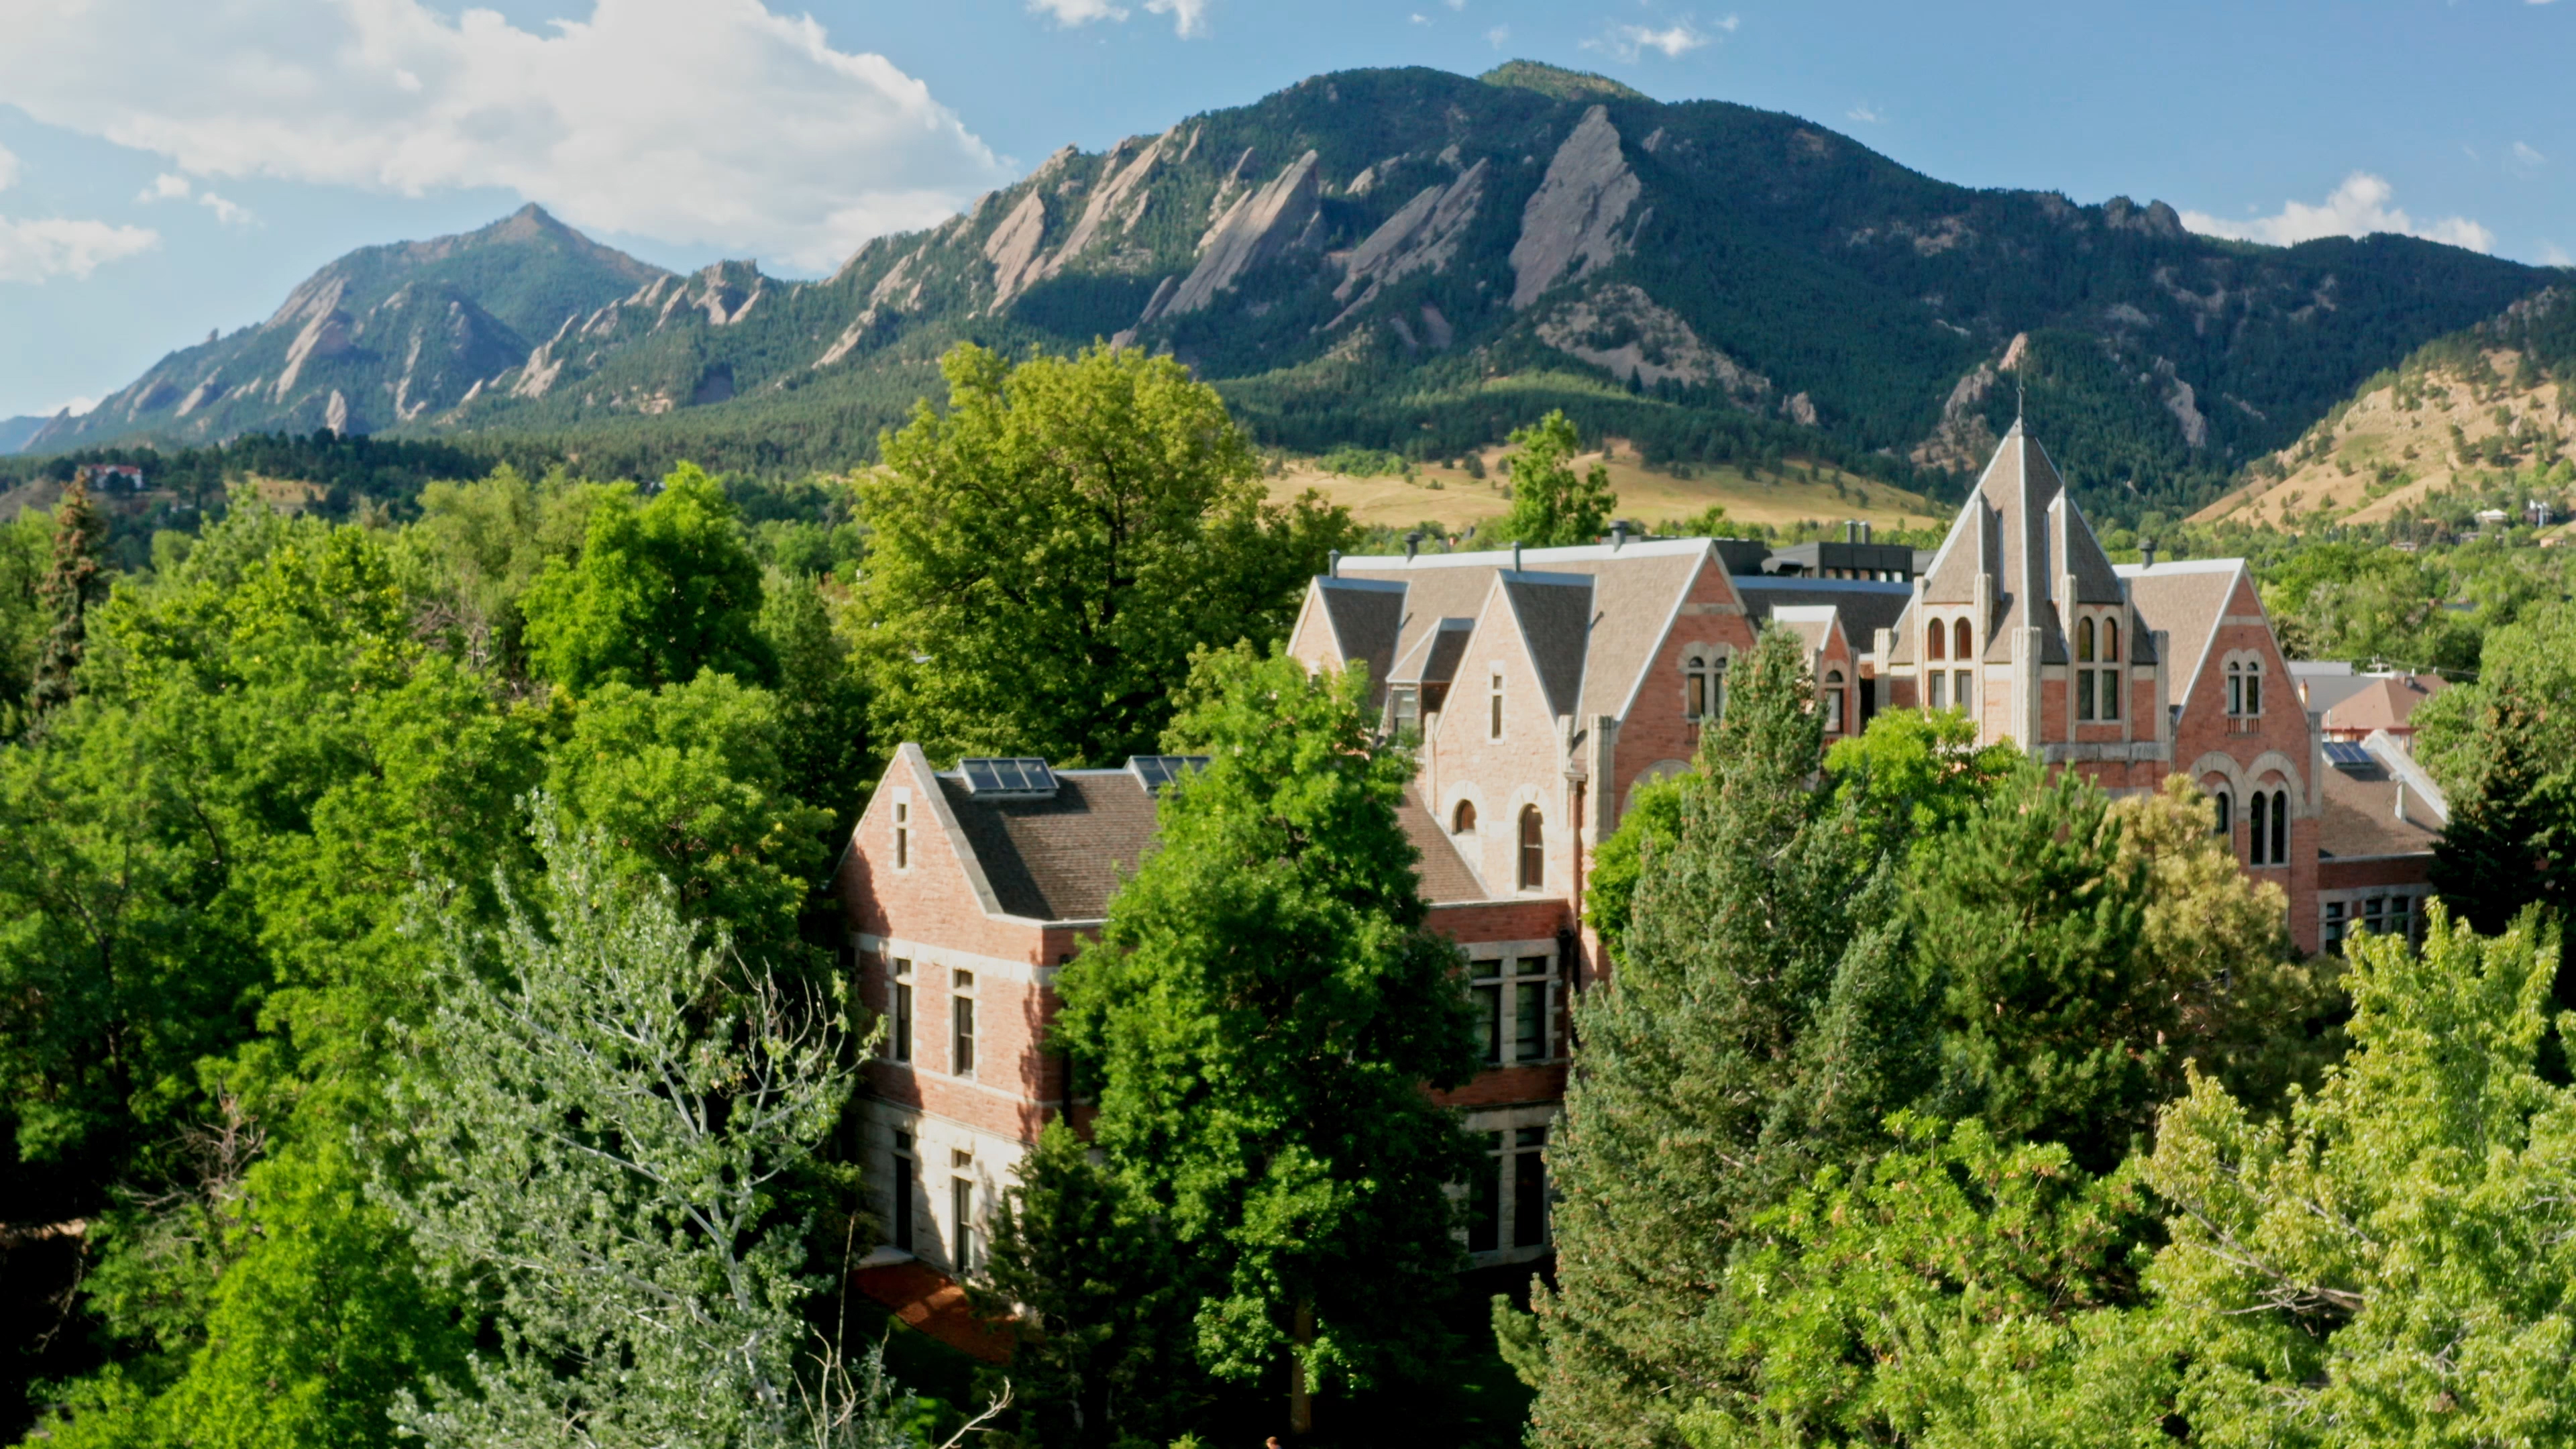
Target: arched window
[
  {"x": 2226, "y": 812},
  {"x": 1936, "y": 641},
  {"x": 1959, "y": 647},
  {"x": 2257, "y": 839},
  {"x": 2110, "y": 641},
  {"x": 1533, "y": 849},
  {"x": 1703, "y": 687},
  {"x": 2083, "y": 641},
  {"x": 1833, "y": 701},
  {"x": 2280, "y": 827},
  {"x": 1462, "y": 821},
  {"x": 2245, "y": 687}
]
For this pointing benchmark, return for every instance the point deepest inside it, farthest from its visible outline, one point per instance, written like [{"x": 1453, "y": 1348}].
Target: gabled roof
[
  {"x": 1365, "y": 616},
  {"x": 2362, "y": 799},
  {"x": 2020, "y": 531},
  {"x": 1554, "y": 612},
  {"x": 2186, "y": 600},
  {"x": 1433, "y": 658},
  {"x": 1636, "y": 591},
  {"x": 2384, "y": 702},
  {"x": 1864, "y": 605},
  {"x": 1813, "y": 623}
]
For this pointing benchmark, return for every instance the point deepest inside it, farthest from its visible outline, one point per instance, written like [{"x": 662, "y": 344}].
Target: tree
[
  {"x": 1762, "y": 1021},
  {"x": 2029, "y": 924},
  {"x": 1551, "y": 506},
  {"x": 76, "y": 583},
  {"x": 1048, "y": 551},
  {"x": 1916, "y": 775},
  {"x": 662, "y": 592},
  {"x": 1258, "y": 1018},
  {"x": 1101, "y": 1308},
  {"x": 822, "y": 700},
  {"x": 604, "y": 1113},
  {"x": 2393, "y": 1261},
  {"x": 2513, "y": 826}
]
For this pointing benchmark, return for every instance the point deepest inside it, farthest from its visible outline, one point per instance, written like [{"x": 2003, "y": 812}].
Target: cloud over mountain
[
  {"x": 2358, "y": 207},
  {"x": 713, "y": 123}
]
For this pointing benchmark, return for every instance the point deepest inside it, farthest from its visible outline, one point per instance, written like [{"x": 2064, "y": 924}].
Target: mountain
[
  {"x": 1417, "y": 261},
  {"x": 2485, "y": 416},
  {"x": 14, "y": 432},
  {"x": 384, "y": 336}
]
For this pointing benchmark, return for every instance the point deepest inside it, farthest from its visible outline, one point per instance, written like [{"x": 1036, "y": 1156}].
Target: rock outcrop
[
  {"x": 1422, "y": 236},
  {"x": 1261, "y": 226},
  {"x": 1013, "y": 248},
  {"x": 1963, "y": 440},
  {"x": 1572, "y": 222},
  {"x": 1621, "y": 329}
]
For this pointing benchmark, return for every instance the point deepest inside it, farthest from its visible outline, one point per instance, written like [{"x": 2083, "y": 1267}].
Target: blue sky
[{"x": 167, "y": 168}]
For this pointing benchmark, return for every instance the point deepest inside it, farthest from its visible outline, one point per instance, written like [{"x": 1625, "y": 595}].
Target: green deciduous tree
[
  {"x": 1258, "y": 1018},
  {"x": 604, "y": 1114},
  {"x": 1551, "y": 504},
  {"x": 1047, "y": 552},
  {"x": 1763, "y": 1020},
  {"x": 662, "y": 591},
  {"x": 2511, "y": 839}
]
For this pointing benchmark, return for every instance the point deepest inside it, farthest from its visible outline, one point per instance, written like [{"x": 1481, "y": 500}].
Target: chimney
[
  {"x": 1412, "y": 544},
  {"x": 1333, "y": 565},
  {"x": 1618, "y": 534},
  {"x": 1516, "y": 555},
  {"x": 2147, "y": 551},
  {"x": 1864, "y": 531},
  {"x": 2401, "y": 797},
  {"x": 1851, "y": 530}
]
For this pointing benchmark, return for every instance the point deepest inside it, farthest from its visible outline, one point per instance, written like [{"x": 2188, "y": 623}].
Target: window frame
[
  {"x": 1530, "y": 849},
  {"x": 899, "y": 1010},
  {"x": 1494, "y": 704},
  {"x": 963, "y": 1028},
  {"x": 902, "y": 829},
  {"x": 1834, "y": 702}
]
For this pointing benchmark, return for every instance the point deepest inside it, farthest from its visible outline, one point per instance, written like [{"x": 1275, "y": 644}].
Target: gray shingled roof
[
  {"x": 2360, "y": 817},
  {"x": 1865, "y": 605},
  {"x": 1555, "y": 615},
  {"x": 1432, "y": 658},
  {"x": 2186, "y": 600},
  {"x": 1367, "y": 617}
]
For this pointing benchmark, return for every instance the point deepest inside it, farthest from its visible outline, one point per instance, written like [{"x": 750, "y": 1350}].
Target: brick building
[{"x": 1545, "y": 685}]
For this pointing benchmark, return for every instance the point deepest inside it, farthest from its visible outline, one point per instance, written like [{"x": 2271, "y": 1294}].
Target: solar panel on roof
[
  {"x": 996, "y": 775},
  {"x": 2345, "y": 754},
  {"x": 1156, "y": 771}
]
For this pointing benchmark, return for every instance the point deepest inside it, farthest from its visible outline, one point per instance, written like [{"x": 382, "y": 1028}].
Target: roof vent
[
  {"x": 1008, "y": 778},
  {"x": 1157, "y": 772}
]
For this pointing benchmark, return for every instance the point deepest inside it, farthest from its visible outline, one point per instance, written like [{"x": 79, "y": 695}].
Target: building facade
[{"x": 1544, "y": 686}]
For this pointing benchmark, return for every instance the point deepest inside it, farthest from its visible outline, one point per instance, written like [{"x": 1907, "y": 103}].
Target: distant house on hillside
[{"x": 112, "y": 477}]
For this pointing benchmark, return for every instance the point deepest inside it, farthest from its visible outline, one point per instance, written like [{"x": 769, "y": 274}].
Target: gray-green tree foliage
[{"x": 603, "y": 1116}]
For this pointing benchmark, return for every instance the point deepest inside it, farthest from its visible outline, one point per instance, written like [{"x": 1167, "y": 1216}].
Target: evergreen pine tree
[
  {"x": 1763, "y": 1019},
  {"x": 2506, "y": 845},
  {"x": 76, "y": 583}
]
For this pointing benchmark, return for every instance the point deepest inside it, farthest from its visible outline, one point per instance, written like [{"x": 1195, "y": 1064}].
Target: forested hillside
[{"x": 1418, "y": 262}]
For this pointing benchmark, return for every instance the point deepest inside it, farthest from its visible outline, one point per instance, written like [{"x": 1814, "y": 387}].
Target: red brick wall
[{"x": 2205, "y": 728}]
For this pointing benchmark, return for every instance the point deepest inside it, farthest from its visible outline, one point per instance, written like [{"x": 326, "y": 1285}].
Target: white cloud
[
  {"x": 2523, "y": 159},
  {"x": 1631, "y": 42},
  {"x": 1421, "y": 19},
  {"x": 8, "y": 169},
  {"x": 1069, "y": 13},
  {"x": 1496, "y": 36},
  {"x": 168, "y": 186},
  {"x": 1189, "y": 17},
  {"x": 42, "y": 248},
  {"x": 1865, "y": 114},
  {"x": 225, "y": 212},
  {"x": 1455, "y": 4},
  {"x": 2358, "y": 207},
  {"x": 703, "y": 122}
]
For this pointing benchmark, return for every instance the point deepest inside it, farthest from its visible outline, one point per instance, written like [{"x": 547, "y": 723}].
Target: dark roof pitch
[
  {"x": 1058, "y": 859},
  {"x": 1555, "y": 614}
]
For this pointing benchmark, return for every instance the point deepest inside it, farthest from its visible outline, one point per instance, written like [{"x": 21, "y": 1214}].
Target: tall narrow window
[
  {"x": 1462, "y": 821},
  {"x": 1494, "y": 707},
  {"x": 1717, "y": 688},
  {"x": 904, "y": 1189},
  {"x": 903, "y": 835},
  {"x": 2253, "y": 689},
  {"x": 1833, "y": 701},
  {"x": 2109, "y": 687},
  {"x": 1529, "y": 1187},
  {"x": 2258, "y": 845},
  {"x": 1485, "y": 1199},
  {"x": 2110, "y": 641},
  {"x": 1487, "y": 993},
  {"x": 1963, "y": 689},
  {"x": 2235, "y": 689},
  {"x": 1960, "y": 640},
  {"x": 1936, "y": 691},
  {"x": 2226, "y": 812},
  {"x": 1703, "y": 688},
  {"x": 1533, "y": 849},
  {"x": 2084, "y": 682},
  {"x": 961, "y": 1023},
  {"x": 1404, "y": 706},
  {"x": 961, "y": 1204},
  {"x": 2280, "y": 827},
  {"x": 899, "y": 1027},
  {"x": 1533, "y": 1019},
  {"x": 2083, "y": 641},
  {"x": 1936, "y": 641}
]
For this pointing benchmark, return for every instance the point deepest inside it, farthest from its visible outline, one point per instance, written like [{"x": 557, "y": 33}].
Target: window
[
  {"x": 2108, "y": 685},
  {"x": 1517, "y": 1008},
  {"x": 904, "y": 1189},
  {"x": 1462, "y": 821},
  {"x": 2280, "y": 827},
  {"x": 961, "y": 1204},
  {"x": 1959, "y": 640},
  {"x": 2334, "y": 925},
  {"x": 1833, "y": 701},
  {"x": 1936, "y": 641},
  {"x": 2097, "y": 691},
  {"x": 1703, "y": 687},
  {"x": 1529, "y": 1187},
  {"x": 2084, "y": 680},
  {"x": 2226, "y": 812},
  {"x": 899, "y": 1009},
  {"x": 2110, "y": 641},
  {"x": 2083, "y": 641},
  {"x": 1936, "y": 690},
  {"x": 2401, "y": 917},
  {"x": 2245, "y": 688},
  {"x": 1533, "y": 849},
  {"x": 1963, "y": 692},
  {"x": 1404, "y": 710},
  {"x": 2256, "y": 837},
  {"x": 1485, "y": 1199},
  {"x": 961, "y": 1023},
  {"x": 902, "y": 833},
  {"x": 1494, "y": 707}
]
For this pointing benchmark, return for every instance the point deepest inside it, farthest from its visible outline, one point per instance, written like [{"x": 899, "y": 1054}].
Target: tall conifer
[
  {"x": 76, "y": 583},
  {"x": 1763, "y": 1018},
  {"x": 2506, "y": 845}
]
